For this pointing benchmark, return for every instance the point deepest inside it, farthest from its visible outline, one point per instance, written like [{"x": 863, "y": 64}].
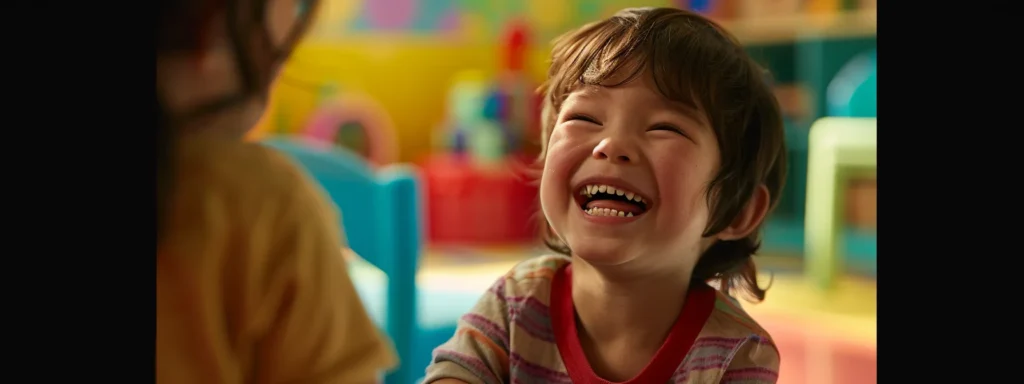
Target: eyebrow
[
  {"x": 587, "y": 92},
  {"x": 593, "y": 93},
  {"x": 690, "y": 113}
]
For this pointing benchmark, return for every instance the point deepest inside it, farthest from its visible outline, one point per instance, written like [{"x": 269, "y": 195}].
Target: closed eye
[
  {"x": 583, "y": 118},
  {"x": 667, "y": 127}
]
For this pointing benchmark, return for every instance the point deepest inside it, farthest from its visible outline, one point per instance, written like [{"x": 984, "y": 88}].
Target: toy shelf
[
  {"x": 806, "y": 52},
  {"x": 858, "y": 247},
  {"x": 800, "y": 26}
]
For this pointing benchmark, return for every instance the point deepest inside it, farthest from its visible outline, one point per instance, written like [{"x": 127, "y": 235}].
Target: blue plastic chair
[{"x": 382, "y": 217}]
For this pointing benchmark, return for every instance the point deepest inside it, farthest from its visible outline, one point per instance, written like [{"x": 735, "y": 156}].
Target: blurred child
[
  {"x": 663, "y": 152},
  {"x": 251, "y": 280}
]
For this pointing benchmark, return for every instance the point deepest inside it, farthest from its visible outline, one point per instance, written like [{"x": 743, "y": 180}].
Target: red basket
[{"x": 470, "y": 204}]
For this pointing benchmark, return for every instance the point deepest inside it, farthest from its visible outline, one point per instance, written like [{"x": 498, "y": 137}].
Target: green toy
[{"x": 486, "y": 143}]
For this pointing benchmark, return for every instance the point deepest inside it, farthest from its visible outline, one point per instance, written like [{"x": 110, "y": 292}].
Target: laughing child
[{"x": 662, "y": 154}]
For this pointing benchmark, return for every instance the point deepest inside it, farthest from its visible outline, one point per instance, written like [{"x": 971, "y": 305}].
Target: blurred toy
[
  {"x": 481, "y": 138},
  {"x": 356, "y": 122},
  {"x": 496, "y": 106},
  {"x": 516, "y": 44},
  {"x": 473, "y": 194},
  {"x": 490, "y": 119},
  {"x": 520, "y": 114},
  {"x": 718, "y": 9}
]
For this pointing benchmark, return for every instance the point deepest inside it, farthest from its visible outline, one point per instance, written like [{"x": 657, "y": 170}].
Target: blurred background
[{"x": 447, "y": 86}]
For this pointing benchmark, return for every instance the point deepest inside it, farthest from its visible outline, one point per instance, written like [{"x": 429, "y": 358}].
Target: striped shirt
[{"x": 523, "y": 331}]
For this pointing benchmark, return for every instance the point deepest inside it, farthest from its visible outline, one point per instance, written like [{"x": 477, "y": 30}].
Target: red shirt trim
[{"x": 700, "y": 301}]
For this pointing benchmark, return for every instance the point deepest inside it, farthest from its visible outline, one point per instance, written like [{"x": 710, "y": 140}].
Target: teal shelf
[
  {"x": 779, "y": 59},
  {"x": 811, "y": 63},
  {"x": 859, "y": 247}
]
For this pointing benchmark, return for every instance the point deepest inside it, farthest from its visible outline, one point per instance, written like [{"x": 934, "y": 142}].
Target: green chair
[{"x": 839, "y": 148}]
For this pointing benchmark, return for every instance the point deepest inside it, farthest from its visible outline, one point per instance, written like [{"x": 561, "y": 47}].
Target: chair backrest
[
  {"x": 854, "y": 90},
  {"x": 381, "y": 216}
]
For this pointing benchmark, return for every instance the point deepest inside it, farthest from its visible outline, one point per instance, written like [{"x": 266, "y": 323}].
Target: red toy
[
  {"x": 471, "y": 205},
  {"x": 515, "y": 48}
]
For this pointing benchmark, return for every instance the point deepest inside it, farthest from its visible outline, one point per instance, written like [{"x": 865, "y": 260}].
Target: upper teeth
[{"x": 590, "y": 190}]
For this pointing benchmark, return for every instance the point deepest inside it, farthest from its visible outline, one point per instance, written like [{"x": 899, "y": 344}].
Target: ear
[
  {"x": 200, "y": 57},
  {"x": 750, "y": 217},
  {"x": 206, "y": 40}
]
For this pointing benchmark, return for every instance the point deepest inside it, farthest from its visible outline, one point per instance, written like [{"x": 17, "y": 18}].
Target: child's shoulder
[
  {"x": 536, "y": 268},
  {"x": 736, "y": 342},
  {"x": 250, "y": 167},
  {"x": 729, "y": 321},
  {"x": 531, "y": 277}
]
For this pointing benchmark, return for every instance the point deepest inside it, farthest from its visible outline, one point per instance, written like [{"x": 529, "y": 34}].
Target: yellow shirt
[{"x": 251, "y": 281}]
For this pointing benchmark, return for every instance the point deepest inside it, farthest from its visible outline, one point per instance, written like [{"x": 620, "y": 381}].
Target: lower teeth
[{"x": 607, "y": 212}]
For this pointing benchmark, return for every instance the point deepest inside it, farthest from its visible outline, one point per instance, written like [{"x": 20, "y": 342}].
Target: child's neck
[
  {"x": 231, "y": 123},
  {"x": 627, "y": 316}
]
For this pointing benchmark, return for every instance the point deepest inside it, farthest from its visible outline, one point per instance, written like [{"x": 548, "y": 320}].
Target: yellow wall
[{"x": 409, "y": 79}]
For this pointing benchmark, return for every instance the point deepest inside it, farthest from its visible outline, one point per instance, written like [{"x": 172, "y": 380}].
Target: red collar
[{"x": 700, "y": 300}]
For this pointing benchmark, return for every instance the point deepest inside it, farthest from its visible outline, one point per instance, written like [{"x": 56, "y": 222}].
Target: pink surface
[
  {"x": 451, "y": 21},
  {"x": 390, "y": 14},
  {"x": 812, "y": 353}
]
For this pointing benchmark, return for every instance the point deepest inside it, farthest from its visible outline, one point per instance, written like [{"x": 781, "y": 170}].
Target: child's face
[{"x": 643, "y": 145}]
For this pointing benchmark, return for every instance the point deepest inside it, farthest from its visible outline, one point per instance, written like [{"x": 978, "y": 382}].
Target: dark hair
[
  {"x": 181, "y": 28},
  {"x": 164, "y": 146},
  {"x": 695, "y": 61}
]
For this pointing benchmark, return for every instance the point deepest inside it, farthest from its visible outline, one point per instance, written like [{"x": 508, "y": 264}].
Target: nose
[{"x": 615, "y": 150}]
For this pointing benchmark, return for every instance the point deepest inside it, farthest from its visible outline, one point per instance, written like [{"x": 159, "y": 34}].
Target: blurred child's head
[
  {"x": 215, "y": 63},
  {"x": 220, "y": 57},
  {"x": 665, "y": 107}
]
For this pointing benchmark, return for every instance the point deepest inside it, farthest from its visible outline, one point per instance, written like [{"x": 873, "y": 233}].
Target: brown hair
[
  {"x": 181, "y": 26},
  {"x": 694, "y": 61}
]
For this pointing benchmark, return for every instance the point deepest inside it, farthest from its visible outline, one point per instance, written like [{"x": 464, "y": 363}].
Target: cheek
[
  {"x": 552, "y": 180},
  {"x": 682, "y": 181},
  {"x": 559, "y": 154},
  {"x": 561, "y": 159}
]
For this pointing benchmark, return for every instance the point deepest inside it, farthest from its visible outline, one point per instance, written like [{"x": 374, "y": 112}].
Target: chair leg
[{"x": 821, "y": 222}]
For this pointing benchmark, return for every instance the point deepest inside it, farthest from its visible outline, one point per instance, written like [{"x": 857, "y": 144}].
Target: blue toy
[
  {"x": 459, "y": 142},
  {"x": 470, "y": 102},
  {"x": 495, "y": 106}
]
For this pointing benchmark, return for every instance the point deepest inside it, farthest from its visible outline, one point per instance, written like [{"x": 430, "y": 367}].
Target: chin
[{"x": 603, "y": 251}]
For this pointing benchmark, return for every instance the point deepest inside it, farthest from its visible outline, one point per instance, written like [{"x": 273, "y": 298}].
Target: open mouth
[{"x": 606, "y": 200}]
